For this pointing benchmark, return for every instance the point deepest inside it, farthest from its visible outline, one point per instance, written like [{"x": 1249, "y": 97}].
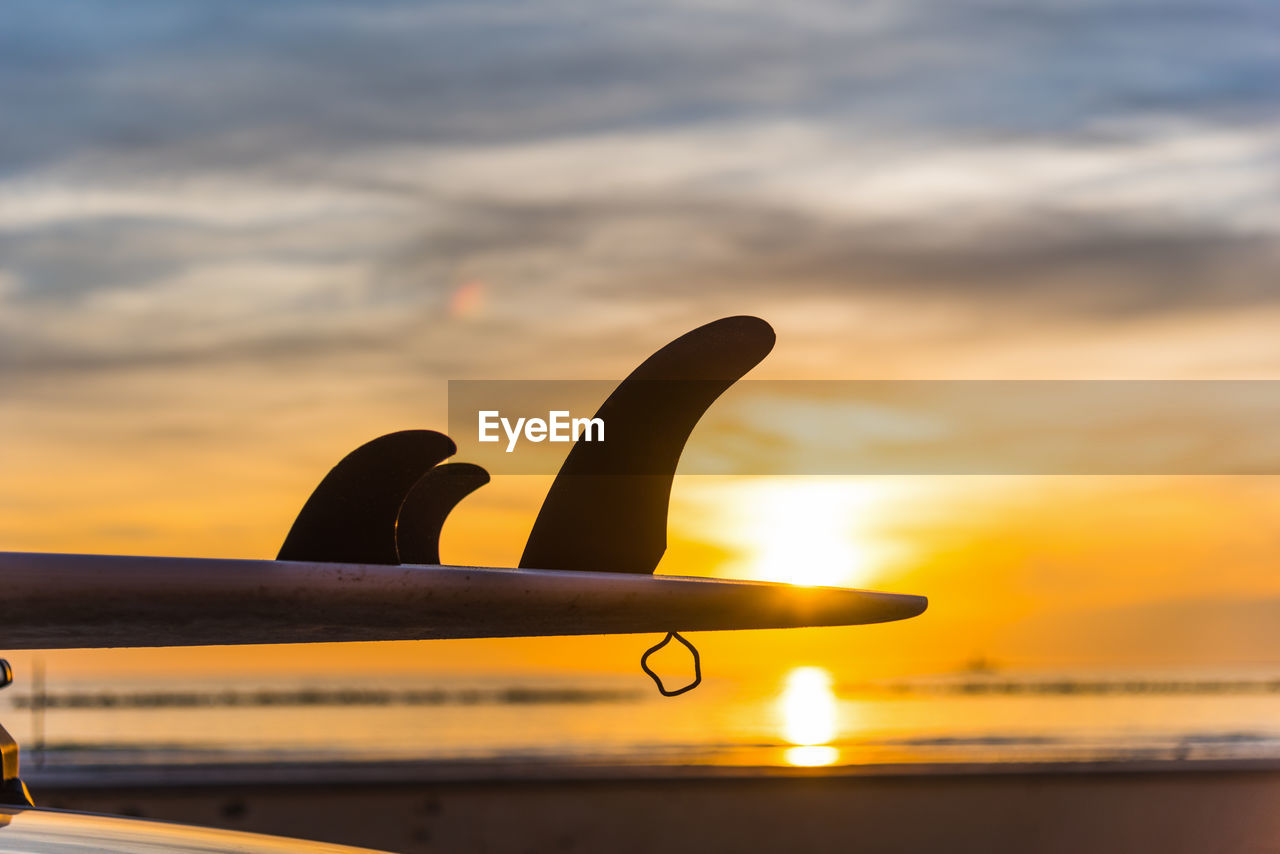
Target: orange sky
[{"x": 227, "y": 258}]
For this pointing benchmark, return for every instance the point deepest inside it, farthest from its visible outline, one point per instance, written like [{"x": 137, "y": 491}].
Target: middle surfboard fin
[{"x": 351, "y": 515}]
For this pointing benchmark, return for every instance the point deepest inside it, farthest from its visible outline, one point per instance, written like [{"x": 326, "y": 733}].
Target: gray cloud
[
  {"x": 547, "y": 264},
  {"x": 238, "y": 81},
  {"x": 204, "y": 126}
]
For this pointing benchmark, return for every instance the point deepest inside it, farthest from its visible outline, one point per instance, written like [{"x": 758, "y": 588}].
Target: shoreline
[{"x": 397, "y": 772}]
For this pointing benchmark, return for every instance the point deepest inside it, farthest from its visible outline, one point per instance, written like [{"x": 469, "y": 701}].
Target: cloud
[
  {"x": 197, "y": 77},
  {"x": 194, "y": 181}
]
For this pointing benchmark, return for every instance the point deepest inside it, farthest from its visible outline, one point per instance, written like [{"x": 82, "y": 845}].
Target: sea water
[{"x": 808, "y": 720}]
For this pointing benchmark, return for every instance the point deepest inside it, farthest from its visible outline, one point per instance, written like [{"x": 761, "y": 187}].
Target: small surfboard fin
[
  {"x": 428, "y": 504},
  {"x": 607, "y": 508},
  {"x": 351, "y": 516}
]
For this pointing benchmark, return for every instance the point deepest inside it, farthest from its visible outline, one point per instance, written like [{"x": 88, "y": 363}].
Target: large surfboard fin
[
  {"x": 351, "y": 515},
  {"x": 427, "y": 505},
  {"x": 607, "y": 508}
]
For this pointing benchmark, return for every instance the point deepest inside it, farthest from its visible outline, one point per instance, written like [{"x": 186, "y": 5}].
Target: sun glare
[
  {"x": 807, "y": 708},
  {"x": 812, "y": 756},
  {"x": 812, "y": 531}
]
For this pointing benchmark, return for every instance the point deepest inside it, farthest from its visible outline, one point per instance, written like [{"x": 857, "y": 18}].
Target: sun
[
  {"x": 804, "y": 534},
  {"x": 811, "y": 531},
  {"x": 818, "y": 531}
]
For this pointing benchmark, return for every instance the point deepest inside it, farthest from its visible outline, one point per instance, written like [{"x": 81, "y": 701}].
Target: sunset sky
[{"x": 237, "y": 240}]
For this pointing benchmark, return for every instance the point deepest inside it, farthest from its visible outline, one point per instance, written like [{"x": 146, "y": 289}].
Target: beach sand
[{"x": 1168, "y": 807}]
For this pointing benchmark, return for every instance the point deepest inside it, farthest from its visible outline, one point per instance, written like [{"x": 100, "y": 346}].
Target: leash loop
[{"x": 657, "y": 680}]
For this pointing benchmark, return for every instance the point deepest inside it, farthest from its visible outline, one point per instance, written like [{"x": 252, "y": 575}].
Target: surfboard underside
[{"x": 57, "y": 601}]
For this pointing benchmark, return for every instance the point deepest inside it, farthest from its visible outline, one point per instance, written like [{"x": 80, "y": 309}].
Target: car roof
[{"x": 40, "y": 831}]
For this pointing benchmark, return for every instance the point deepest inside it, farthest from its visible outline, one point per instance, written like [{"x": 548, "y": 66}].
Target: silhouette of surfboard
[
  {"x": 57, "y": 601},
  {"x": 586, "y": 568}
]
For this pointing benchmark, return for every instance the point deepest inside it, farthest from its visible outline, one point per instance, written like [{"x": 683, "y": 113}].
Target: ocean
[{"x": 808, "y": 720}]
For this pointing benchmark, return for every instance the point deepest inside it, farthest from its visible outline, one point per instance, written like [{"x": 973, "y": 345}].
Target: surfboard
[
  {"x": 357, "y": 563},
  {"x": 62, "y": 601}
]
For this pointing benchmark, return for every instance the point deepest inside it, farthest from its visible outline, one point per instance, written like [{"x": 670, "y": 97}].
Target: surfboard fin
[
  {"x": 607, "y": 508},
  {"x": 428, "y": 504},
  {"x": 351, "y": 516}
]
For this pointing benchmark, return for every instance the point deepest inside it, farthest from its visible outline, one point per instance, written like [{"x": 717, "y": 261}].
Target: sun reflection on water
[
  {"x": 808, "y": 711},
  {"x": 811, "y": 756}
]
